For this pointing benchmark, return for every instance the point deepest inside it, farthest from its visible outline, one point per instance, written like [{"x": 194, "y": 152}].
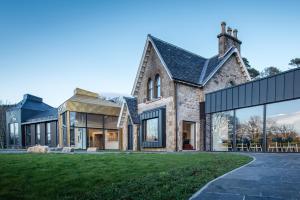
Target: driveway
[{"x": 269, "y": 176}]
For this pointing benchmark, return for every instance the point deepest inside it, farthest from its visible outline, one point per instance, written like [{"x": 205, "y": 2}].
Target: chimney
[{"x": 228, "y": 39}]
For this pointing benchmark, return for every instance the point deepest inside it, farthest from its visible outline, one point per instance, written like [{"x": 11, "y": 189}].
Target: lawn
[{"x": 111, "y": 176}]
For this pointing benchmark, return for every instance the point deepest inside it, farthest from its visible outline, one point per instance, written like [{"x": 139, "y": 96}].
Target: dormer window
[
  {"x": 157, "y": 86},
  {"x": 150, "y": 89}
]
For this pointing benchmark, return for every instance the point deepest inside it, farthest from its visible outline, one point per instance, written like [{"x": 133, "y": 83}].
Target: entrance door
[
  {"x": 188, "y": 136},
  {"x": 130, "y": 137},
  {"x": 96, "y": 138}
]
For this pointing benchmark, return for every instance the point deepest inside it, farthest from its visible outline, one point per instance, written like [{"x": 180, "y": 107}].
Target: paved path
[{"x": 269, "y": 177}]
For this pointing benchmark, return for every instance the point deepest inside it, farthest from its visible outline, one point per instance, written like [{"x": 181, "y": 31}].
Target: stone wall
[
  {"x": 170, "y": 120},
  {"x": 231, "y": 71},
  {"x": 154, "y": 67},
  {"x": 188, "y": 107}
]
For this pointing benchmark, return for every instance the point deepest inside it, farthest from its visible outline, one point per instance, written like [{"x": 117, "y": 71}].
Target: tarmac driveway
[{"x": 269, "y": 176}]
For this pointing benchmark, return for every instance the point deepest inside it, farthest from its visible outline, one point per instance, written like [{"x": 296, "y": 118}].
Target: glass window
[
  {"x": 12, "y": 134},
  {"x": 222, "y": 131},
  {"x": 48, "y": 125},
  {"x": 151, "y": 130},
  {"x": 64, "y": 118},
  {"x": 150, "y": 89},
  {"x": 28, "y": 135},
  {"x": 94, "y": 121},
  {"x": 111, "y": 122},
  {"x": 157, "y": 86},
  {"x": 249, "y": 129},
  {"x": 72, "y": 136},
  {"x": 64, "y": 129},
  {"x": 96, "y": 138},
  {"x": 80, "y": 138},
  {"x": 77, "y": 119},
  {"x": 38, "y": 134},
  {"x": 112, "y": 135},
  {"x": 283, "y": 126}
]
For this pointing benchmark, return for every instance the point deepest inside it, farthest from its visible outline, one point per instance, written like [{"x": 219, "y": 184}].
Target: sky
[{"x": 50, "y": 47}]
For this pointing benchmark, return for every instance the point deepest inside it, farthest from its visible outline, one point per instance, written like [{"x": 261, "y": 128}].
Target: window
[
  {"x": 222, "y": 131},
  {"x": 77, "y": 119},
  {"x": 157, "y": 86},
  {"x": 28, "y": 135},
  {"x": 111, "y": 122},
  {"x": 283, "y": 126},
  {"x": 48, "y": 129},
  {"x": 95, "y": 121},
  {"x": 151, "y": 130},
  {"x": 38, "y": 134},
  {"x": 112, "y": 136},
  {"x": 14, "y": 133},
  {"x": 150, "y": 89},
  {"x": 249, "y": 129}
]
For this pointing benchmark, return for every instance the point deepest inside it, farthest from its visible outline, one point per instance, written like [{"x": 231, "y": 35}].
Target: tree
[
  {"x": 269, "y": 71},
  {"x": 252, "y": 71},
  {"x": 295, "y": 62}
]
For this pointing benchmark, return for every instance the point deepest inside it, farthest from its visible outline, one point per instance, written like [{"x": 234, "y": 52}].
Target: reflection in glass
[
  {"x": 38, "y": 134},
  {"x": 283, "y": 126},
  {"x": 28, "y": 135},
  {"x": 111, "y": 139},
  {"x": 77, "y": 119},
  {"x": 222, "y": 131},
  {"x": 95, "y": 121},
  {"x": 111, "y": 122},
  {"x": 80, "y": 138},
  {"x": 249, "y": 129},
  {"x": 151, "y": 130}
]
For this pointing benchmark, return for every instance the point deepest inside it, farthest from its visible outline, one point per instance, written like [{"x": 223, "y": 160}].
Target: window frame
[
  {"x": 157, "y": 86},
  {"x": 150, "y": 114},
  {"x": 150, "y": 89}
]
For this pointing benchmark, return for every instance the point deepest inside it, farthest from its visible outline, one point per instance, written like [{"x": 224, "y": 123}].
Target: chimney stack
[
  {"x": 229, "y": 31},
  {"x": 235, "y": 33},
  {"x": 228, "y": 39}
]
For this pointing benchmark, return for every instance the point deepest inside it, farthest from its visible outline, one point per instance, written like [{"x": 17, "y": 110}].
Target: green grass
[{"x": 111, "y": 176}]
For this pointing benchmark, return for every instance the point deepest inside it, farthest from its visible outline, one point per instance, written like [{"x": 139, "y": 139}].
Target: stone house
[{"x": 167, "y": 109}]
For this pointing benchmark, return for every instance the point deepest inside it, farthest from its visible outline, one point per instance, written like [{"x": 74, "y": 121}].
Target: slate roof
[
  {"x": 132, "y": 108},
  {"x": 35, "y": 110},
  {"x": 184, "y": 65},
  {"x": 47, "y": 115}
]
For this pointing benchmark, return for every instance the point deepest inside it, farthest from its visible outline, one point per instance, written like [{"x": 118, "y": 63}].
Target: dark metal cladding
[{"x": 280, "y": 87}]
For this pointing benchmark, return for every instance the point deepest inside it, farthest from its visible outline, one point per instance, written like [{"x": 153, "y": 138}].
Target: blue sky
[{"x": 50, "y": 47}]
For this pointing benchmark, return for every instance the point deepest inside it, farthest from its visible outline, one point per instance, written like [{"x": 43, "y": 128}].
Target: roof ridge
[
  {"x": 204, "y": 71},
  {"x": 151, "y": 36}
]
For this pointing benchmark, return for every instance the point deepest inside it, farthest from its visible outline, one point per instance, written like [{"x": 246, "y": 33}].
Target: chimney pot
[
  {"x": 229, "y": 31},
  {"x": 223, "y": 26},
  {"x": 235, "y": 33}
]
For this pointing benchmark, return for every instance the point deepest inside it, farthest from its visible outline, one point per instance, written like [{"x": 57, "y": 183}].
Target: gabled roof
[
  {"x": 132, "y": 109},
  {"x": 185, "y": 66},
  {"x": 182, "y": 64}
]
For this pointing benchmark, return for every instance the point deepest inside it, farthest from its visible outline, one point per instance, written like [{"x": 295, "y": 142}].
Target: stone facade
[
  {"x": 188, "y": 108},
  {"x": 230, "y": 73},
  {"x": 182, "y": 100}
]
